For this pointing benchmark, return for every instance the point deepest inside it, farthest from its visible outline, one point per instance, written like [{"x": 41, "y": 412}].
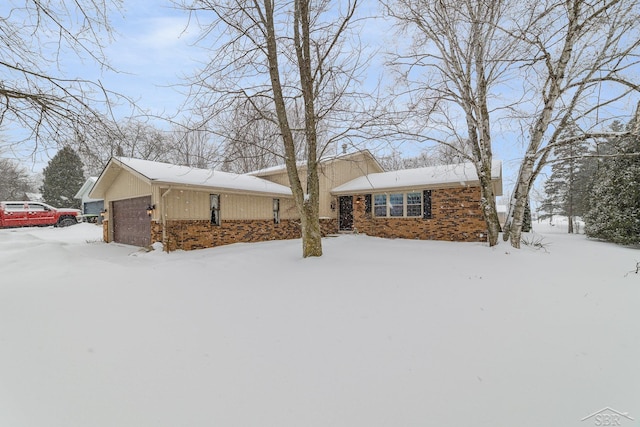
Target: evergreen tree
[
  {"x": 615, "y": 206},
  {"x": 526, "y": 219},
  {"x": 568, "y": 187},
  {"x": 63, "y": 177}
]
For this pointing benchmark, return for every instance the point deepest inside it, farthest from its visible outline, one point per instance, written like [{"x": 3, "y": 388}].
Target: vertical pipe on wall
[{"x": 163, "y": 214}]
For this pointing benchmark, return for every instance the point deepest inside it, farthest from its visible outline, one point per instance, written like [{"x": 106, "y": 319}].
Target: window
[
  {"x": 414, "y": 204},
  {"x": 276, "y": 211},
  {"x": 15, "y": 207},
  {"x": 36, "y": 207},
  {"x": 380, "y": 205},
  {"x": 215, "y": 209},
  {"x": 403, "y": 205},
  {"x": 396, "y": 204}
]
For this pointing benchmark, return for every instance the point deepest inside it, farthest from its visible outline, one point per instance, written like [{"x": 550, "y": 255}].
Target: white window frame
[
  {"x": 376, "y": 205},
  {"x": 388, "y": 207},
  {"x": 421, "y": 204}
]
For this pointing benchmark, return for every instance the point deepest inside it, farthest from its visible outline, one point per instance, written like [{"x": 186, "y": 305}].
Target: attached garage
[
  {"x": 148, "y": 202},
  {"x": 130, "y": 221}
]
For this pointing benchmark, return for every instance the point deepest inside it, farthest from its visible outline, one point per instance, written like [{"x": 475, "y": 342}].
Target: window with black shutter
[
  {"x": 426, "y": 204},
  {"x": 215, "y": 208},
  {"x": 367, "y": 203}
]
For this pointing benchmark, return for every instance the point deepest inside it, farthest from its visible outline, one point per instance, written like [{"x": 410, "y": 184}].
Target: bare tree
[
  {"x": 189, "y": 146},
  {"x": 15, "y": 181},
  {"x": 584, "y": 56},
  {"x": 539, "y": 65},
  {"x": 458, "y": 45},
  {"x": 36, "y": 93},
  {"x": 293, "y": 56},
  {"x": 96, "y": 144},
  {"x": 251, "y": 142}
]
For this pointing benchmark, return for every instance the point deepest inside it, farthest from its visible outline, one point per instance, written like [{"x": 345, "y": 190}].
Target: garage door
[{"x": 131, "y": 224}]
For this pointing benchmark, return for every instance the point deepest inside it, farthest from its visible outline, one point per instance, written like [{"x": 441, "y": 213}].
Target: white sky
[{"x": 153, "y": 53}]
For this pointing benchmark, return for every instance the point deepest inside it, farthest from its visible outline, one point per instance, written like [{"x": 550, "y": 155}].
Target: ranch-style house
[{"x": 187, "y": 208}]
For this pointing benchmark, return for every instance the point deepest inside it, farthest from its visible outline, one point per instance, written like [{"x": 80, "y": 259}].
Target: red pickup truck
[{"x": 26, "y": 214}]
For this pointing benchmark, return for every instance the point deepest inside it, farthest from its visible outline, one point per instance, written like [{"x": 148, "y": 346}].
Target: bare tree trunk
[
  {"x": 307, "y": 208},
  {"x": 571, "y": 218},
  {"x": 515, "y": 216},
  {"x": 311, "y": 235},
  {"x": 488, "y": 205}
]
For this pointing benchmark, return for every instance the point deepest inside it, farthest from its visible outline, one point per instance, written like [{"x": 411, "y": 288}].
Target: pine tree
[
  {"x": 526, "y": 219},
  {"x": 63, "y": 177},
  {"x": 615, "y": 206},
  {"x": 568, "y": 188}
]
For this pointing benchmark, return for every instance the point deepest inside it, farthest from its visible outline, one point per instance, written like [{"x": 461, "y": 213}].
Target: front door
[{"x": 346, "y": 213}]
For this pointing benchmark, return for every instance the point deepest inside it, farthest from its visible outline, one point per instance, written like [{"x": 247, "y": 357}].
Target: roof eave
[
  {"x": 218, "y": 189},
  {"x": 418, "y": 187}
]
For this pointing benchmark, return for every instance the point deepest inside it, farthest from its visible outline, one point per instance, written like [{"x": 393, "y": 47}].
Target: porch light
[
  {"x": 150, "y": 209},
  {"x": 103, "y": 213}
]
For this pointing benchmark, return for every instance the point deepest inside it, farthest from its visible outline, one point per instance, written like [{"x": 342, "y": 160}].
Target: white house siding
[
  {"x": 337, "y": 173},
  {"x": 239, "y": 207},
  {"x": 195, "y": 205},
  {"x": 126, "y": 186},
  {"x": 184, "y": 204},
  {"x": 331, "y": 174}
]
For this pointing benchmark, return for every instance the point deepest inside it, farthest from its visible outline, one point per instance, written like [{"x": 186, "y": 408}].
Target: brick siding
[
  {"x": 196, "y": 234},
  {"x": 456, "y": 216},
  {"x": 105, "y": 231}
]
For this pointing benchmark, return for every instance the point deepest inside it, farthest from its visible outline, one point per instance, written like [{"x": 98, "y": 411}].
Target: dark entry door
[
  {"x": 346, "y": 213},
  {"x": 131, "y": 224}
]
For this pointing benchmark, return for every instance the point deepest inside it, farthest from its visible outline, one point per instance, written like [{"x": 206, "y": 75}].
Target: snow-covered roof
[
  {"x": 449, "y": 175},
  {"x": 165, "y": 173},
  {"x": 84, "y": 190},
  {"x": 302, "y": 164}
]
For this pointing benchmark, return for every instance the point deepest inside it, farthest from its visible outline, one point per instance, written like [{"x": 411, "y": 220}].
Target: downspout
[{"x": 164, "y": 219}]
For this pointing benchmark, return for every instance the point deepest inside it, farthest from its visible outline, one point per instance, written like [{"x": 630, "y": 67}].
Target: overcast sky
[{"x": 153, "y": 52}]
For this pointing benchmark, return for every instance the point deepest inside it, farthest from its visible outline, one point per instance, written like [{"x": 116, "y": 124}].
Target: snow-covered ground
[{"x": 374, "y": 333}]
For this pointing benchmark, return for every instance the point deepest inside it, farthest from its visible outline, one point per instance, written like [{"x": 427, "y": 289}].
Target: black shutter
[
  {"x": 367, "y": 203},
  {"x": 426, "y": 204}
]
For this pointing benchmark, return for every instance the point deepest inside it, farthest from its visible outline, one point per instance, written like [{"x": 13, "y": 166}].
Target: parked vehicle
[{"x": 28, "y": 214}]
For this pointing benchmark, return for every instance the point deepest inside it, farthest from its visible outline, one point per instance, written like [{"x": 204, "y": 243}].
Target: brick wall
[
  {"x": 188, "y": 235},
  {"x": 456, "y": 216},
  {"x": 105, "y": 230}
]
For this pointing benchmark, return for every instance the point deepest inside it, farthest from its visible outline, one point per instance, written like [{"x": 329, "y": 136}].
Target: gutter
[{"x": 163, "y": 212}]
